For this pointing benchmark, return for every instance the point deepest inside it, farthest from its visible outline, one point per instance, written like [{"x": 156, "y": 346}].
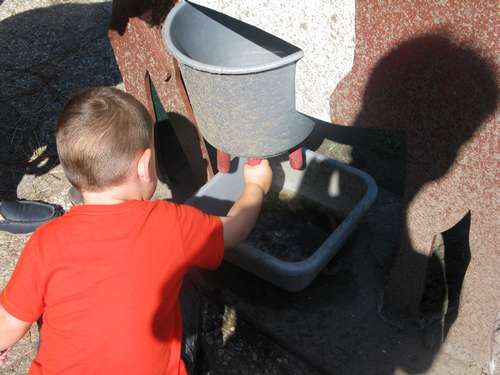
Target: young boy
[{"x": 105, "y": 277}]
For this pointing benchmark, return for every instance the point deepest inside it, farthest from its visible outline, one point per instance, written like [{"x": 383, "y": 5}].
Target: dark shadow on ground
[{"x": 48, "y": 55}]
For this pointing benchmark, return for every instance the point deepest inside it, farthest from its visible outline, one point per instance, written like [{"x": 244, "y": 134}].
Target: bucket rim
[{"x": 217, "y": 69}]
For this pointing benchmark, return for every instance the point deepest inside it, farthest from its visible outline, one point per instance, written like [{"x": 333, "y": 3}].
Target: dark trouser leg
[{"x": 192, "y": 307}]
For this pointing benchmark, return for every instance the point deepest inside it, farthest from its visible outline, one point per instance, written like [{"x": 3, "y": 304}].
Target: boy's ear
[{"x": 143, "y": 166}]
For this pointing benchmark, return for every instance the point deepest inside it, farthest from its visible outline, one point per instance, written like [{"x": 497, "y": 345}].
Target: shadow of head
[
  {"x": 151, "y": 11},
  {"x": 48, "y": 55},
  {"x": 438, "y": 92}
]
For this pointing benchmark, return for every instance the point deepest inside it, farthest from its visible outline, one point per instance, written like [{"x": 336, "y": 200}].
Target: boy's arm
[
  {"x": 11, "y": 331},
  {"x": 243, "y": 214},
  {"x": 22, "y": 297}
]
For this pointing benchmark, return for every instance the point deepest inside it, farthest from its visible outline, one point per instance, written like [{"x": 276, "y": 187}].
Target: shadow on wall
[
  {"x": 151, "y": 11},
  {"x": 175, "y": 141},
  {"x": 48, "y": 55},
  {"x": 438, "y": 94},
  {"x": 428, "y": 97}
]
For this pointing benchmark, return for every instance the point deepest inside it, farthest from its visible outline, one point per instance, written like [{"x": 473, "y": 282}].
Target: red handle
[
  {"x": 253, "y": 162},
  {"x": 223, "y": 161}
]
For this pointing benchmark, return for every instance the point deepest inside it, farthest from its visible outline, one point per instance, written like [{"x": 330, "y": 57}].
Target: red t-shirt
[{"x": 107, "y": 281}]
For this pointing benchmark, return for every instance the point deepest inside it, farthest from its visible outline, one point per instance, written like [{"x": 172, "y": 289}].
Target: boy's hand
[
  {"x": 260, "y": 175},
  {"x": 3, "y": 356},
  {"x": 241, "y": 218}
]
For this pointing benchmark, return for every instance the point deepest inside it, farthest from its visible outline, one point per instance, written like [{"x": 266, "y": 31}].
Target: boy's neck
[{"x": 113, "y": 195}]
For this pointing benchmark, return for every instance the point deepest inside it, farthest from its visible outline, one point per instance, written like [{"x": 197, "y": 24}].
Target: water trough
[{"x": 344, "y": 190}]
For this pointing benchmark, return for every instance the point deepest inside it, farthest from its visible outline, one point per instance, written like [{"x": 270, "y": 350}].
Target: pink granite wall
[{"x": 429, "y": 70}]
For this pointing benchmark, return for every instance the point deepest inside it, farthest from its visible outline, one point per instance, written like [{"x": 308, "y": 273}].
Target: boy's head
[{"x": 101, "y": 135}]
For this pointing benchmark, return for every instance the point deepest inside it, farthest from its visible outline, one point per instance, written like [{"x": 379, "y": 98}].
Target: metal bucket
[{"x": 240, "y": 81}]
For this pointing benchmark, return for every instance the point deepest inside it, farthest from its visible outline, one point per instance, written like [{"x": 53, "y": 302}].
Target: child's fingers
[{"x": 253, "y": 162}]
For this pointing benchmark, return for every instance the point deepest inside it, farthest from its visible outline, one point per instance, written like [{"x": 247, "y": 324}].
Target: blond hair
[{"x": 99, "y": 134}]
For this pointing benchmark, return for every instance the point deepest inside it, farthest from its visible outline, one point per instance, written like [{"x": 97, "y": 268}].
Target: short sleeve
[
  {"x": 23, "y": 295},
  {"x": 202, "y": 237}
]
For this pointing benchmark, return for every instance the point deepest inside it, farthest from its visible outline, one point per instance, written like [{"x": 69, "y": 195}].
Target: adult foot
[{"x": 24, "y": 216}]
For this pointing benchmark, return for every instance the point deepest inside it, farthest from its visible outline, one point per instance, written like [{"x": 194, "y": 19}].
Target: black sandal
[{"x": 23, "y": 216}]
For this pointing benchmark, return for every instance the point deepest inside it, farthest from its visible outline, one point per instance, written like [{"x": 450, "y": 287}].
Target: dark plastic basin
[{"x": 346, "y": 191}]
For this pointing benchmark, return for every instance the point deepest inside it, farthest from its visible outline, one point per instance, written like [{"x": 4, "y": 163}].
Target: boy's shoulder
[
  {"x": 67, "y": 220},
  {"x": 82, "y": 219}
]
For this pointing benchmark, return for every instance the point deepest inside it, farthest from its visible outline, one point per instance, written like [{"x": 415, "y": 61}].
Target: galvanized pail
[{"x": 240, "y": 81}]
